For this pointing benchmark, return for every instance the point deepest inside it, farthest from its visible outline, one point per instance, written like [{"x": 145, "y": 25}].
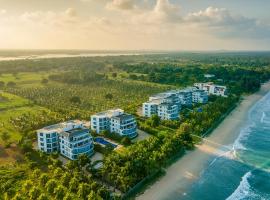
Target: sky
[{"x": 135, "y": 24}]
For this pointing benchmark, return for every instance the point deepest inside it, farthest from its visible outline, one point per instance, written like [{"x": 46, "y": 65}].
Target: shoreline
[{"x": 186, "y": 170}]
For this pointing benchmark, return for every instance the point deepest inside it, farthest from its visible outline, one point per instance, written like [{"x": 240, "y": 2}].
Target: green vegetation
[
  {"x": 80, "y": 101},
  {"x": 47, "y": 91},
  {"x": 8, "y": 101},
  {"x": 56, "y": 182}
]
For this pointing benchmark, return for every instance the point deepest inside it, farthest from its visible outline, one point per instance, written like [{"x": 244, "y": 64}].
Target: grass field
[
  {"x": 8, "y": 100},
  {"x": 94, "y": 96},
  {"x": 14, "y": 107},
  {"x": 25, "y": 79}
]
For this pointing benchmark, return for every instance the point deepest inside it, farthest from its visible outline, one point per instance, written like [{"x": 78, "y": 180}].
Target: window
[
  {"x": 41, "y": 134},
  {"x": 49, "y": 145},
  {"x": 41, "y": 144}
]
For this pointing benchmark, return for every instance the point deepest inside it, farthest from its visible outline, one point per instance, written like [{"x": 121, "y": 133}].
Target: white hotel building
[
  {"x": 69, "y": 138},
  {"x": 199, "y": 96},
  {"x": 115, "y": 121},
  {"x": 185, "y": 97},
  {"x": 166, "y": 105},
  {"x": 213, "y": 89}
]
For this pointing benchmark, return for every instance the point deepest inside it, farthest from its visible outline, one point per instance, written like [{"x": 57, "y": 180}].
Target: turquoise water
[{"x": 244, "y": 171}]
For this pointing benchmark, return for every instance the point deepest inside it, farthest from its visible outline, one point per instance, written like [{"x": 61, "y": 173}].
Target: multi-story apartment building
[
  {"x": 150, "y": 108},
  {"x": 199, "y": 96},
  {"x": 114, "y": 121},
  {"x": 101, "y": 121},
  {"x": 213, "y": 89},
  {"x": 50, "y": 137},
  {"x": 168, "y": 111},
  {"x": 75, "y": 142},
  {"x": 124, "y": 125},
  {"x": 166, "y": 105},
  {"x": 185, "y": 97}
]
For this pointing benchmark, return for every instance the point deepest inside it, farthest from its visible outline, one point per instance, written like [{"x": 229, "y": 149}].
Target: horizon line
[{"x": 136, "y": 50}]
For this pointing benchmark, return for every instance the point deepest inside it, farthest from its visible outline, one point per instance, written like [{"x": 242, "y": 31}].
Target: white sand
[{"x": 180, "y": 175}]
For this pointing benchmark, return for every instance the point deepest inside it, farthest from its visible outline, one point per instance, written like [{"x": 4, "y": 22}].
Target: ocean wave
[
  {"x": 259, "y": 107},
  {"x": 238, "y": 145},
  {"x": 263, "y": 116},
  {"x": 244, "y": 190}
]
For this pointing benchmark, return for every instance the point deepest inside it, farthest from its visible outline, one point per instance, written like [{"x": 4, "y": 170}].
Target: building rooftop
[
  {"x": 74, "y": 132},
  {"x": 168, "y": 104},
  {"x": 60, "y": 126},
  {"x": 123, "y": 116},
  {"x": 109, "y": 113},
  {"x": 198, "y": 90}
]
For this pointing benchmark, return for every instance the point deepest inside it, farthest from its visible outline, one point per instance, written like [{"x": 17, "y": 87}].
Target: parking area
[
  {"x": 142, "y": 135},
  {"x": 96, "y": 156}
]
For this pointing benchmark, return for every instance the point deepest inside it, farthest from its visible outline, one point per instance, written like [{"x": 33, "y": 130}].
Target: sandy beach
[{"x": 180, "y": 175}]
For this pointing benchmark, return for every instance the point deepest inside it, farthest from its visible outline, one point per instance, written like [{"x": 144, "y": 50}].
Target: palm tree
[
  {"x": 83, "y": 190},
  {"x": 59, "y": 192}
]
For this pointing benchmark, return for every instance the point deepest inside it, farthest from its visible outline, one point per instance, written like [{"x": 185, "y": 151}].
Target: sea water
[{"x": 244, "y": 171}]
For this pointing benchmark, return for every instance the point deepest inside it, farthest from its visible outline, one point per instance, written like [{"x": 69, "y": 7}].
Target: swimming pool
[{"x": 104, "y": 142}]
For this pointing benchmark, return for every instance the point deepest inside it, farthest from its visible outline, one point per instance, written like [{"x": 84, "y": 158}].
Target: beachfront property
[
  {"x": 199, "y": 96},
  {"x": 69, "y": 138},
  {"x": 168, "y": 111},
  {"x": 150, "y": 108},
  {"x": 185, "y": 97},
  {"x": 166, "y": 105},
  {"x": 75, "y": 142},
  {"x": 212, "y": 89},
  {"x": 115, "y": 121}
]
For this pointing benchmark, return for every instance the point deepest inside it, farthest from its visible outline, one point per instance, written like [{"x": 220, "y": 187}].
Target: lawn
[
  {"x": 25, "y": 79},
  {"x": 8, "y": 101},
  {"x": 13, "y": 107}
]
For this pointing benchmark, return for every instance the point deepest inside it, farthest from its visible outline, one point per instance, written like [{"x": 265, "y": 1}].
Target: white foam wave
[
  {"x": 243, "y": 190},
  {"x": 263, "y": 116},
  {"x": 243, "y": 134}
]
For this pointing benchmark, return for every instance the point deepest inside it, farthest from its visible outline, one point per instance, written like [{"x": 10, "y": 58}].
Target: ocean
[{"x": 243, "y": 171}]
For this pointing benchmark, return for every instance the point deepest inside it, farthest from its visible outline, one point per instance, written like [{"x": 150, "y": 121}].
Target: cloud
[
  {"x": 218, "y": 17},
  {"x": 221, "y": 22},
  {"x": 71, "y": 12},
  {"x": 163, "y": 12},
  {"x": 121, "y": 5}
]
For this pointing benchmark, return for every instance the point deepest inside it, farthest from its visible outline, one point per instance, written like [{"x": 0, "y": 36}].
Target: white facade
[
  {"x": 185, "y": 97},
  {"x": 199, "y": 96},
  {"x": 101, "y": 121},
  {"x": 76, "y": 142},
  {"x": 114, "y": 121},
  {"x": 168, "y": 111},
  {"x": 213, "y": 89},
  {"x": 50, "y": 138},
  {"x": 166, "y": 105},
  {"x": 124, "y": 125},
  {"x": 150, "y": 108}
]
